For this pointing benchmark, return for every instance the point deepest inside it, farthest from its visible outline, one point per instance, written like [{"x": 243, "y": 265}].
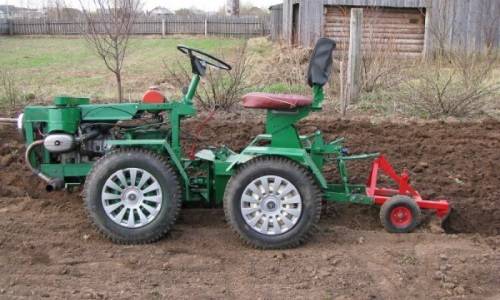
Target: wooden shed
[
  {"x": 408, "y": 27},
  {"x": 276, "y": 22}
]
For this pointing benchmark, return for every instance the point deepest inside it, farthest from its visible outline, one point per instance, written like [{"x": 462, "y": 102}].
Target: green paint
[
  {"x": 66, "y": 170},
  {"x": 70, "y": 101},
  {"x": 63, "y": 120},
  {"x": 193, "y": 85},
  {"x": 205, "y": 177}
]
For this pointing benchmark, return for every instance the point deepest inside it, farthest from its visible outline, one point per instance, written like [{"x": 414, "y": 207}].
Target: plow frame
[
  {"x": 380, "y": 195},
  {"x": 373, "y": 194}
]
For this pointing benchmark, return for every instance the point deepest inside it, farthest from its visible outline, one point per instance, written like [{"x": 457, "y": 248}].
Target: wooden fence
[
  {"x": 4, "y": 26},
  {"x": 199, "y": 25}
]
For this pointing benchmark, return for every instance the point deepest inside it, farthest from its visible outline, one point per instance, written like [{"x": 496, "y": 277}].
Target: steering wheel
[{"x": 204, "y": 57}]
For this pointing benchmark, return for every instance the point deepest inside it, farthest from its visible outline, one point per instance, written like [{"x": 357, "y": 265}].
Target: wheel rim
[
  {"x": 271, "y": 205},
  {"x": 401, "y": 216},
  {"x": 132, "y": 197}
]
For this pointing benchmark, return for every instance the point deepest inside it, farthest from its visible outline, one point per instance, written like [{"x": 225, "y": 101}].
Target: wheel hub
[
  {"x": 401, "y": 216},
  {"x": 131, "y": 197},
  {"x": 270, "y": 204}
]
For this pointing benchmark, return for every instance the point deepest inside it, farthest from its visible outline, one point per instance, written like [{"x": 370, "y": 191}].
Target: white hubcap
[
  {"x": 132, "y": 197},
  {"x": 271, "y": 205}
]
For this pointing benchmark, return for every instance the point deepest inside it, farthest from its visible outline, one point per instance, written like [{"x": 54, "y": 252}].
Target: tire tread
[
  {"x": 296, "y": 240},
  {"x": 160, "y": 232},
  {"x": 387, "y": 207}
]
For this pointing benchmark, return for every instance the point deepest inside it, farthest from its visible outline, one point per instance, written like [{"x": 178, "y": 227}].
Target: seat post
[
  {"x": 281, "y": 126},
  {"x": 318, "y": 97}
]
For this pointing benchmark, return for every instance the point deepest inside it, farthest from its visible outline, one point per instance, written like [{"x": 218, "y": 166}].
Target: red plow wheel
[
  {"x": 400, "y": 214},
  {"x": 400, "y": 211}
]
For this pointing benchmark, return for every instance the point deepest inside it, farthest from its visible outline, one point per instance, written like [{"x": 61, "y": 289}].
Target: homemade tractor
[{"x": 136, "y": 174}]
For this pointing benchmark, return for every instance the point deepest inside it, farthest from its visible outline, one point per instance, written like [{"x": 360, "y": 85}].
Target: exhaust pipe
[
  {"x": 53, "y": 184},
  {"x": 8, "y": 120},
  {"x": 19, "y": 121}
]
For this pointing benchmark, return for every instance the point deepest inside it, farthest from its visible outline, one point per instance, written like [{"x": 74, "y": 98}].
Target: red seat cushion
[{"x": 275, "y": 101}]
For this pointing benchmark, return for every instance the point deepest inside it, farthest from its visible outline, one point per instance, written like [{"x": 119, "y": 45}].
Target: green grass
[
  {"x": 284, "y": 88},
  {"x": 52, "y": 66}
]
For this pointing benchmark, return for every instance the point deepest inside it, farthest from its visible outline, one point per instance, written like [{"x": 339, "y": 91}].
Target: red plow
[{"x": 402, "y": 212}]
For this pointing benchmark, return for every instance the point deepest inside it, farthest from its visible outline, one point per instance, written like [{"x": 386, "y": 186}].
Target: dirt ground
[{"x": 49, "y": 249}]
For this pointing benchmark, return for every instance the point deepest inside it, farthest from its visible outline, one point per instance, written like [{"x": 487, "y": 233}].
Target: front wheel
[
  {"x": 133, "y": 196},
  {"x": 272, "y": 202}
]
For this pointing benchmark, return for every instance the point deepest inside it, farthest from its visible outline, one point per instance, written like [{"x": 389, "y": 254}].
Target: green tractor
[{"x": 136, "y": 175}]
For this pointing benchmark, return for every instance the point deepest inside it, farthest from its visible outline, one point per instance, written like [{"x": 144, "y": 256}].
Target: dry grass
[{"x": 278, "y": 68}]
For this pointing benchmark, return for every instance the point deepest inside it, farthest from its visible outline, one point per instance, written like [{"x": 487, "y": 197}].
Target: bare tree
[{"x": 108, "y": 30}]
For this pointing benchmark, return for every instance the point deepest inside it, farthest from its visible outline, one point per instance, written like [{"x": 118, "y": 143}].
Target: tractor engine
[
  {"x": 65, "y": 139},
  {"x": 86, "y": 145}
]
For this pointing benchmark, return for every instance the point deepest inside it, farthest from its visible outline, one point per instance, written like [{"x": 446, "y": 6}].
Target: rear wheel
[
  {"x": 272, "y": 203},
  {"x": 400, "y": 214},
  {"x": 133, "y": 196}
]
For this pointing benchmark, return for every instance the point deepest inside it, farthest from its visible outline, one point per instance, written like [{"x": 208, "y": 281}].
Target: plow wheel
[
  {"x": 133, "y": 196},
  {"x": 400, "y": 214},
  {"x": 272, "y": 203}
]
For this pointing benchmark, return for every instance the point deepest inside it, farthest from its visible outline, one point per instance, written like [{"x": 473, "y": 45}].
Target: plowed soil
[{"x": 48, "y": 247}]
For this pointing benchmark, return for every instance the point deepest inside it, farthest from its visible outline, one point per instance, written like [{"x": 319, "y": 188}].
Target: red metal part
[
  {"x": 380, "y": 195},
  {"x": 153, "y": 95},
  {"x": 401, "y": 216}
]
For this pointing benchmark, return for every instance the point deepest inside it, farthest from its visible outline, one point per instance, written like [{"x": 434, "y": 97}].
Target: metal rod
[{"x": 8, "y": 120}]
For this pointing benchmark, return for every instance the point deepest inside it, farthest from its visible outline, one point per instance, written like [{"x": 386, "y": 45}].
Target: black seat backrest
[{"x": 320, "y": 66}]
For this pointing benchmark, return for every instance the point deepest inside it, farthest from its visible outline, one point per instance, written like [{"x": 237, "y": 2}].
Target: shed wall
[
  {"x": 396, "y": 30},
  {"x": 453, "y": 24},
  {"x": 471, "y": 25},
  {"x": 276, "y": 25}
]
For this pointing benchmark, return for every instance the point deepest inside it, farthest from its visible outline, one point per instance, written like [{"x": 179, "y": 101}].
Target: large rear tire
[
  {"x": 272, "y": 203},
  {"x": 133, "y": 196}
]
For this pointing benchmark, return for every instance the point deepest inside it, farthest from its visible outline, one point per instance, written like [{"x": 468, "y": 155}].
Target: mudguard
[{"x": 296, "y": 154}]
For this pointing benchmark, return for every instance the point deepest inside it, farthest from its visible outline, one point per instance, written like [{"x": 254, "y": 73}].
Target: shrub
[
  {"x": 9, "y": 90},
  {"x": 453, "y": 84}
]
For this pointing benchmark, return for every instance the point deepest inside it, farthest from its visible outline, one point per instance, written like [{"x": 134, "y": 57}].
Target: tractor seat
[{"x": 275, "y": 101}]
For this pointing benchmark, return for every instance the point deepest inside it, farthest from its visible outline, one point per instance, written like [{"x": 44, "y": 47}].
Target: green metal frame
[
  {"x": 311, "y": 151},
  {"x": 281, "y": 138}
]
